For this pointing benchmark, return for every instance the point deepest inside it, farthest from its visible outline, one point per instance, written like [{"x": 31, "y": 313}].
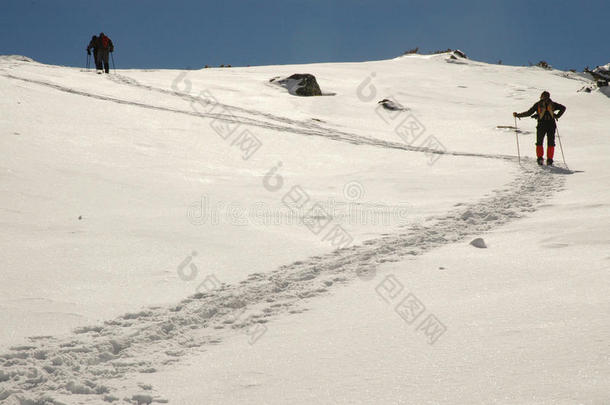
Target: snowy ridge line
[
  {"x": 327, "y": 133},
  {"x": 92, "y": 360}
]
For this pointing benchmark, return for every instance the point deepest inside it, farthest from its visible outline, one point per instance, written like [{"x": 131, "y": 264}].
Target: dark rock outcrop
[
  {"x": 459, "y": 53},
  {"x": 392, "y": 105},
  {"x": 300, "y": 84}
]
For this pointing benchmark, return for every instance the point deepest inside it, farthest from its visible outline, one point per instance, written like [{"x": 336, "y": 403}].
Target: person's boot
[
  {"x": 550, "y": 152},
  {"x": 540, "y": 154}
]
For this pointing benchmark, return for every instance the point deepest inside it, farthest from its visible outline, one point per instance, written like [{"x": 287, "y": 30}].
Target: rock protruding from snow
[
  {"x": 392, "y": 105},
  {"x": 479, "y": 243},
  {"x": 300, "y": 84},
  {"x": 460, "y": 54},
  {"x": 603, "y": 71},
  {"x": 601, "y": 75},
  {"x": 456, "y": 56}
]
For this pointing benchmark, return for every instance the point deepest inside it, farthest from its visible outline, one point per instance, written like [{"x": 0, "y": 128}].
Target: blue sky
[{"x": 190, "y": 34}]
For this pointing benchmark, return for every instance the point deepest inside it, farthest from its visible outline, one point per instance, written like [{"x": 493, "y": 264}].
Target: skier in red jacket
[{"x": 104, "y": 46}]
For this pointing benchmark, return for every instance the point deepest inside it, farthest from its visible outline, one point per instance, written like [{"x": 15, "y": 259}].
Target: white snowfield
[{"x": 205, "y": 237}]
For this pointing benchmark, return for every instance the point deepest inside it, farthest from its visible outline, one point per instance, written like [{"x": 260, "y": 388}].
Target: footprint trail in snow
[{"x": 94, "y": 360}]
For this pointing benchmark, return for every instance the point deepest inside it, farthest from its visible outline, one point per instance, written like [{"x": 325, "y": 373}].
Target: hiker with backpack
[
  {"x": 104, "y": 47},
  {"x": 93, "y": 46},
  {"x": 544, "y": 112}
]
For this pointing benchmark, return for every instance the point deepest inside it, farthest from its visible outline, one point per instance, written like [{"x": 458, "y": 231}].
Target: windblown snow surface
[{"x": 204, "y": 237}]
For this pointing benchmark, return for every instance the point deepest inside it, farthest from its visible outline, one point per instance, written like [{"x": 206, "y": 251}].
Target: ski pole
[
  {"x": 88, "y": 61},
  {"x": 561, "y": 148},
  {"x": 113, "y": 65},
  {"x": 517, "y": 138}
]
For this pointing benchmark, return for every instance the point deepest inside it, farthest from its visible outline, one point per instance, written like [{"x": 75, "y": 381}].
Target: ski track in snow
[
  {"x": 94, "y": 361},
  {"x": 281, "y": 124}
]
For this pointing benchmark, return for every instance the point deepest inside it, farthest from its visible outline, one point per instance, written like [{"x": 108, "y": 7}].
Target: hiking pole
[
  {"x": 561, "y": 148},
  {"x": 517, "y": 138}
]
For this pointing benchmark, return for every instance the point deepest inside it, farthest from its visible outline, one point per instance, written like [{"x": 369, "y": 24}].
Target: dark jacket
[
  {"x": 104, "y": 44},
  {"x": 546, "y": 115},
  {"x": 93, "y": 44}
]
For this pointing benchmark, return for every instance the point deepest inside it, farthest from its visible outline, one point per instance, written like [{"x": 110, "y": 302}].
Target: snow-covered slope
[{"x": 206, "y": 237}]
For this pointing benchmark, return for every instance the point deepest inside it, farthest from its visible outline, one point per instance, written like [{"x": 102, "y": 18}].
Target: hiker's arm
[
  {"x": 561, "y": 108},
  {"x": 528, "y": 112}
]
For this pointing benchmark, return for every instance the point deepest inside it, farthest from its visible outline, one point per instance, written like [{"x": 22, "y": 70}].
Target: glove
[
  {"x": 556, "y": 116},
  {"x": 515, "y": 114},
  {"x": 88, "y": 52}
]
